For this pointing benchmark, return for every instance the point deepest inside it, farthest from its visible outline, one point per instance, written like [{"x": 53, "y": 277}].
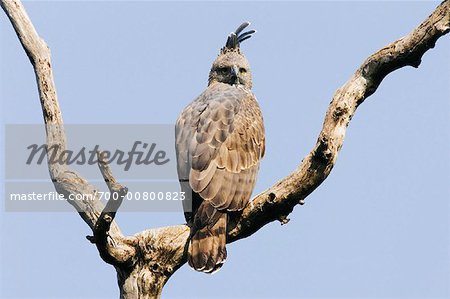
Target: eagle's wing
[{"x": 220, "y": 140}]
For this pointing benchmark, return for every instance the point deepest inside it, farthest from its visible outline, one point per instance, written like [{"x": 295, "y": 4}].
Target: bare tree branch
[
  {"x": 117, "y": 191},
  {"x": 145, "y": 261},
  {"x": 278, "y": 201},
  {"x": 109, "y": 250},
  {"x": 65, "y": 180}
]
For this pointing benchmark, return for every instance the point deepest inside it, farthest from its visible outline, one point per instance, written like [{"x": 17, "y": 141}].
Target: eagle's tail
[{"x": 207, "y": 251}]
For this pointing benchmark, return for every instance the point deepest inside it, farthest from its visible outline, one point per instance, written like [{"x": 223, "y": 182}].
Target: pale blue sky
[{"x": 378, "y": 227}]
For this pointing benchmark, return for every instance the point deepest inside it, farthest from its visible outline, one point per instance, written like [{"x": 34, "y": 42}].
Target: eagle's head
[{"x": 231, "y": 66}]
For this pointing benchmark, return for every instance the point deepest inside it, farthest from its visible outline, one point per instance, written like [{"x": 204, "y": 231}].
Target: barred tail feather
[{"x": 207, "y": 252}]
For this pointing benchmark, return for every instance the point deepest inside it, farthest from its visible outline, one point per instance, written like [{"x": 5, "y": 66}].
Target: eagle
[{"x": 220, "y": 141}]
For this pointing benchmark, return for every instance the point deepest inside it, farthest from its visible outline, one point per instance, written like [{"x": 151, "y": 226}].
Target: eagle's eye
[
  {"x": 242, "y": 70},
  {"x": 222, "y": 71}
]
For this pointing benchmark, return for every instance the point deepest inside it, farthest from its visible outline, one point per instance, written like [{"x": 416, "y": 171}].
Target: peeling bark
[{"x": 145, "y": 261}]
